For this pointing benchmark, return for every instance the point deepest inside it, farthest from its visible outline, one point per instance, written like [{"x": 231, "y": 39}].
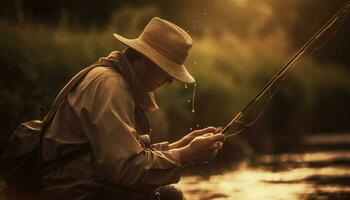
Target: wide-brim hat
[{"x": 165, "y": 44}]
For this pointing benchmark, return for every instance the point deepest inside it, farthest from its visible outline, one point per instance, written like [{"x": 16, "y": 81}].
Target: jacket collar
[{"x": 141, "y": 96}]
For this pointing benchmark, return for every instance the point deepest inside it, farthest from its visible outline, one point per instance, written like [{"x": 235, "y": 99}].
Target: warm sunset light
[{"x": 196, "y": 100}]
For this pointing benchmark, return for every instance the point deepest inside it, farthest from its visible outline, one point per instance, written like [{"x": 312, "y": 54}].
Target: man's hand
[
  {"x": 189, "y": 137},
  {"x": 202, "y": 148}
]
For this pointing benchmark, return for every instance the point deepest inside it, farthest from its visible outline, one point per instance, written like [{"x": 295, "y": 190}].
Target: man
[{"x": 105, "y": 112}]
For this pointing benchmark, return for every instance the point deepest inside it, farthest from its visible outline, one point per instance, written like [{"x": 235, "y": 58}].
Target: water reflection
[{"x": 310, "y": 175}]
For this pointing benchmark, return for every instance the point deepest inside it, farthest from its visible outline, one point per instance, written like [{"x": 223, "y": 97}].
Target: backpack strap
[
  {"x": 48, "y": 164},
  {"x": 68, "y": 87}
]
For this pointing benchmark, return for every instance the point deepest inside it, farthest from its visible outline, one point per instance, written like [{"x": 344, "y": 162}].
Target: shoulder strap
[{"x": 68, "y": 87}]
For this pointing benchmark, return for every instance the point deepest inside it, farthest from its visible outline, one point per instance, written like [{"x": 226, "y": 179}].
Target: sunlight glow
[{"x": 259, "y": 183}]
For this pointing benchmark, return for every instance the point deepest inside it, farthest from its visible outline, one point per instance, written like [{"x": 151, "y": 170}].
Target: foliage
[{"x": 37, "y": 60}]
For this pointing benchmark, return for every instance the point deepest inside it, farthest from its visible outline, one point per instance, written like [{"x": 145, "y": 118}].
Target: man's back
[
  {"x": 100, "y": 112},
  {"x": 66, "y": 134}
]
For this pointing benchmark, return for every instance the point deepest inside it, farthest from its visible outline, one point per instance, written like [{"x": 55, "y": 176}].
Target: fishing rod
[{"x": 280, "y": 73}]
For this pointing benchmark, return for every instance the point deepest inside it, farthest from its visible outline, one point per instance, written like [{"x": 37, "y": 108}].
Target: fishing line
[
  {"x": 281, "y": 74},
  {"x": 332, "y": 34},
  {"x": 271, "y": 93}
]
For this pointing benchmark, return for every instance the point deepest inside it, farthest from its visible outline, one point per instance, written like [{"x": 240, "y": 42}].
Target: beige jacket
[{"x": 100, "y": 111}]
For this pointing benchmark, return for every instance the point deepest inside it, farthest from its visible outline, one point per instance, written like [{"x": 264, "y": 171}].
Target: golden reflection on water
[
  {"x": 307, "y": 157},
  {"x": 247, "y": 183}
]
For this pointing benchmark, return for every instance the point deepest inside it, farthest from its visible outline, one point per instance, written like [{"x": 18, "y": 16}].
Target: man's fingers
[
  {"x": 217, "y": 145},
  {"x": 209, "y": 129},
  {"x": 218, "y": 137},
  {"x": 220, "y": 145},
  {"x": 208, "y": 134},
  {"x": 214, "y": 153},
  {"x": 219, "y": 129}
]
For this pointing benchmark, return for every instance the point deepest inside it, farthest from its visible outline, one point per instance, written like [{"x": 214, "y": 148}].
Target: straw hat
[{"x": 165, "y": 44}]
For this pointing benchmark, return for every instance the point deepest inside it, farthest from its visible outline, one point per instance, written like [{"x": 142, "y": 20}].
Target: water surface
[{"x": 314, "y": 174}]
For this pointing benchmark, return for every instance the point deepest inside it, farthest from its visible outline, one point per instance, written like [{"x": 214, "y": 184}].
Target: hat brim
[{"x": 178, "y": 72}]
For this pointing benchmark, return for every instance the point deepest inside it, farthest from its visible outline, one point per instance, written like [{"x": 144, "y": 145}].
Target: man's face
[{"x": 155, "y": 76}]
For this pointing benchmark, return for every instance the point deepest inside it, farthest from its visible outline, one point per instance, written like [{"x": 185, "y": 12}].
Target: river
[{"x": 322, "y": 171}]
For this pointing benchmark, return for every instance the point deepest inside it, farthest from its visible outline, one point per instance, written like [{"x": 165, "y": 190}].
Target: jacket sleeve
[
  {"x": 162, "y": 146},
  {"x": 106, "y": 111}
]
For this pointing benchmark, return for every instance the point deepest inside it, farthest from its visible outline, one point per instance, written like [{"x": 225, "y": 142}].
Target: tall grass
[{"x": 37, "y": 60}]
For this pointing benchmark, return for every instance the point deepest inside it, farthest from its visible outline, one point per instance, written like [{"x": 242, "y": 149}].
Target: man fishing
[{"x": 105, "y": 113}]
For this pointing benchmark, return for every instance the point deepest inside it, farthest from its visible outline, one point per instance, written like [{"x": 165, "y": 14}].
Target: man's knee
[{"x": 171, "y": 192}]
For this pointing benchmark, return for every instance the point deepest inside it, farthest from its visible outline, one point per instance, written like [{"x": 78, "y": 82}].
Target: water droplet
[
  {"x": 193, "y": 96},
  {"x": 197, "y": 125},
  {"x": 191, "y": 129},
  {"x": 189, "y": 100},
  {"x": 194, "y": 28},
  {"x": 205, "y": 13},
  {"x": 186, "y": 86},
  {"x": 195, "y": 63}
]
